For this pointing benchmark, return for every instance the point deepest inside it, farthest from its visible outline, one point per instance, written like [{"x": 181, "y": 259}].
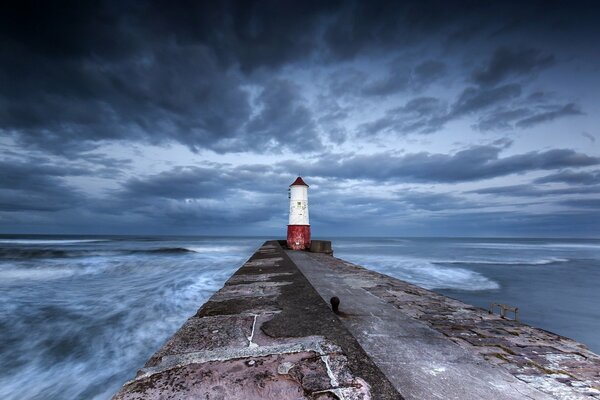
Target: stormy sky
[{"x": 441, "y": 118}]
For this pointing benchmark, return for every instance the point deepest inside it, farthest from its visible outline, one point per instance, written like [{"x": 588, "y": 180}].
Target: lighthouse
[{"x": 298, "y": 234}]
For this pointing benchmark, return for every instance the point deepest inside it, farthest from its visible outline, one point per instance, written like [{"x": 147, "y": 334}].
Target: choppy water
[{"x": 79, "y": 315}]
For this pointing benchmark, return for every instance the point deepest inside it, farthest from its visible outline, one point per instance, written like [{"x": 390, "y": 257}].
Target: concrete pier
[{"x": 270, "y": 333}]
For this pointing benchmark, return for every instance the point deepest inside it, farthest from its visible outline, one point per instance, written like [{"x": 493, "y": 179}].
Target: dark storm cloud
[
  {"x": 171, "y": 95},
  {"x": 284, "y": 121},
  {"x": 38, "y": 186},
  {"x": 428, "y": 72},
  {"x": 67, "y": 91},
  {"x": 474, "y": 163},
  {"x": 400, "y": 77},
  {"x": 358, "y": 27},
  {"x": 507, "y": 62},
  {"x": 253, "y": 34},
  {"x": 76, "y": 74},
  {"x": 225, "y": 76}
]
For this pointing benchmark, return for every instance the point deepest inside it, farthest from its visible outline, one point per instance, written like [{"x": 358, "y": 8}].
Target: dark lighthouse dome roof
[{"x": 299, "y": 182}]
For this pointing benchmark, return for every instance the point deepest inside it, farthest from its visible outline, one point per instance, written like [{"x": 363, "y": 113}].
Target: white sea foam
[
  {"x": 7, "y": 274},
  {"x": 216, "y": 249},
  {"x": 86, "y": 335},
  {"x": 56, "y": 270},
  {"x": 574, "y": 245},
  {"x": 541, "y": 261},
  {"x": 427, "y": 274},
  {"x": 529, "y": 246}
]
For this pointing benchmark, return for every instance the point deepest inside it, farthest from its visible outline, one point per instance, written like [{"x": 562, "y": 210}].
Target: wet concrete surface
[
  {"x": 434, "y": 347},
  {"x": 267, "y": 334}
]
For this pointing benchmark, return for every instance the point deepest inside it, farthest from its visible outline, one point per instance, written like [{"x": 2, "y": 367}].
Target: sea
[{"x": 79, "y": 315}]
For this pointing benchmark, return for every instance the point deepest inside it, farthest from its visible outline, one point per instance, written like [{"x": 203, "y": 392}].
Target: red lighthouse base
[{"x": 298, "y": 237}]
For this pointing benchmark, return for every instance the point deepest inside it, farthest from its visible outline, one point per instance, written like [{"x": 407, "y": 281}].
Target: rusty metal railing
[{"x": 504, "y": 308}]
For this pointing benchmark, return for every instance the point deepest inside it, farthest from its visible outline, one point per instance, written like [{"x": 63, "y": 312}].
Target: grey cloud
[
  {"x": 179, "y": 94},
  {"x": 428, "y": 72},
  {"x": 508, "y": 110},
  {"x": 26, "y": 186},
  {"x": 525, "y": 116},
  {"x": 428, "y": 114},
  {"x": 211, "y": 196},
  {"x": 507, "y": 62},
  {"x": 572, "y": 177},
  {"x": 346, "y": 81},
  {"x": 549, "y": 115},
  {"x": 430, "y": 201},
  {"x": 535, "y": 191},
  {"x": 422, "y": 114},
  {"x": 204, "y": 182},
  {"x": 395, "y": 82},
  {"x": 172, "y": 93},
  {"x": 401, "y": 77},
  {"x": 284, "y": 121},
  {"x": 501, "y": 118},
  {"x": 159, "y": 73},
  {"x": 583, "y": 203},
  {"x": 475, "y": 99},
  {"x": 589, "y": 136},
  {"x": 474, "y": 163},
  {"x": 218, "y": 76}
]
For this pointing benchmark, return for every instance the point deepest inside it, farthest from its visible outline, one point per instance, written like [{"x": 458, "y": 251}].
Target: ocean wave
[
  {"x": 87, "y": 343},
  {"x": 542, "y": 261},
  {"x": 574, "y": 245},
  {"x": 166, "y": 250},
  {"x": 25, "y": 253},
  {"x": 216, "y": 249},
  {"x": 187, "y": 249},
  {"x": 50, "y": 241},
  {"x": 428, "y": 274},
  {"x": 529, "y": 246}
]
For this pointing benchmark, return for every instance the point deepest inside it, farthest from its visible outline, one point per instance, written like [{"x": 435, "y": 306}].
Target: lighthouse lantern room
[{"x": 298, "y": 234}]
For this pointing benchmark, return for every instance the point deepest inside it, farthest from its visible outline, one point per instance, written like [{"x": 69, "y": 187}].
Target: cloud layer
[{"x": 149, "y": 117}]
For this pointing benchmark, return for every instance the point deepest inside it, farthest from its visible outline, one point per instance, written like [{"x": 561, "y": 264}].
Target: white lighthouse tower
[{"x": 298, "y": 234}]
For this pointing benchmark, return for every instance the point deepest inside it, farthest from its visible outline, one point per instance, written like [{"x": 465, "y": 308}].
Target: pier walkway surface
[{"x": 269, "y": 333}]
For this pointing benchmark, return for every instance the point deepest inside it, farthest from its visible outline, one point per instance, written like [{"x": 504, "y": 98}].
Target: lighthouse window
[{"x": 299, "y": 204}]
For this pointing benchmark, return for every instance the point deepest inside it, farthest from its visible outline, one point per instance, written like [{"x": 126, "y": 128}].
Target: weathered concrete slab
[
  {"x": 266, "y": 335},
  {"x": 434, "y": 347}
]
